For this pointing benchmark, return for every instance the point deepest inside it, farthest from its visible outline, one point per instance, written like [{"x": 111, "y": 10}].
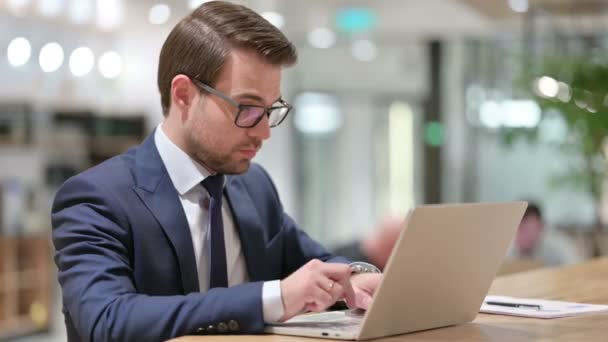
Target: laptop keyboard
[
  {"x": 339, "y": 325},
  {"x": 336, "y": 321}
]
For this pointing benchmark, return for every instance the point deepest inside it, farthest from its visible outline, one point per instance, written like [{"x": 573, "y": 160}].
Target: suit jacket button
[
  {"x": 211, "y": 329},
  {"x": 233, "y": 325},
  {"x": 222, "y": 328},
  {"x": 200, "y": 330}
]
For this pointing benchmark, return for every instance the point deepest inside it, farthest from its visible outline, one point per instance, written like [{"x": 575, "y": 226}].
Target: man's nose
[{"x": 261, "y": 131}]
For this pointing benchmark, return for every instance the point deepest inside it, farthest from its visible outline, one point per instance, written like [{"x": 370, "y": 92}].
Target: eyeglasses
[{"x": 250, "y": 115}]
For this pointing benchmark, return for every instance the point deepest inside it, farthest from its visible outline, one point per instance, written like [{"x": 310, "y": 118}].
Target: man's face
[
  {"x": 529, "y": 233},
  {"x": 210, "y": 134}
]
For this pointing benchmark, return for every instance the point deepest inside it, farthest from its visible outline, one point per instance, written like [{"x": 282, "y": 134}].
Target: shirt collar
[{"x": 185, "y": 173}]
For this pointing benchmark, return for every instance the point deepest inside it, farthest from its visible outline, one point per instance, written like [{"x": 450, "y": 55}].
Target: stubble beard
[{"x": 201, "y": 152}]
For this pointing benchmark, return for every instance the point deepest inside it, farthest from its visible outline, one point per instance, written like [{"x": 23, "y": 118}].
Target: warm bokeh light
[
  {"x": 159, "y": 14},
  {"x": 81, "y": 11},
  {"x": 547, "y": 86},
  {"x": 110, "y": 14},
  {"x": 364, "y": 50},
  {"x": 317, "y": 113},
  {"x": 82, "y": 61},
  {"x": 110, "y": 65},
  {"x": 51, "y": 57},
  {"x": 19, "y": 51},
  {"x": 322, "y": 38}
]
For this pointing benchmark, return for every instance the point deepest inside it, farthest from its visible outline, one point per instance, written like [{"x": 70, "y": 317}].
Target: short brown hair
[{"x": 198, "y": 45}]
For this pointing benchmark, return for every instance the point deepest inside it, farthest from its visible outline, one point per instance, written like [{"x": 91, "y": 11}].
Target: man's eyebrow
[{"x": 253, "y": 97}]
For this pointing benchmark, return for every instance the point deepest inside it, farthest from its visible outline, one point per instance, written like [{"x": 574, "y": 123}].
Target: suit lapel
[
  {"x": 157, "y": 192},
  {"x": 249, "y": 227}
]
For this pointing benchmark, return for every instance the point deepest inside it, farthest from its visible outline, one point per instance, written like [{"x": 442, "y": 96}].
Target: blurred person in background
[
  {"x": 375, "y": 248},
  {"x": 534, "y": 241},
  {"x": 157, "y": 242}
]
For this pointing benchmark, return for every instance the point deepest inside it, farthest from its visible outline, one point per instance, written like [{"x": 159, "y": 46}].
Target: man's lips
[{"x": 249, "y": 152}]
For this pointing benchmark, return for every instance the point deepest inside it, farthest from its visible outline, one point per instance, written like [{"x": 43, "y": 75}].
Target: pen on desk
[{"x": 515, "y": 305}]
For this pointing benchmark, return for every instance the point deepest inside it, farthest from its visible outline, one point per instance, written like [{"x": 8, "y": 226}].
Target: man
[
  {"x": 378, "y": 246},
  {"x": 158, "y": 243},
  {"x": 534, "y": 242}
]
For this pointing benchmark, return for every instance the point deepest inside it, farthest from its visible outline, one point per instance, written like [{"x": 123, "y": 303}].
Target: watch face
[{"x": 361, "y": 267}]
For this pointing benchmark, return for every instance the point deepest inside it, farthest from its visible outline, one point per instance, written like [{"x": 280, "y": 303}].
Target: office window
[{"x": 355, "y": 161}]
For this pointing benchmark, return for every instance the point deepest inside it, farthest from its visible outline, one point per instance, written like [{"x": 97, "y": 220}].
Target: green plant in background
[{"x": 576, "y": 89}]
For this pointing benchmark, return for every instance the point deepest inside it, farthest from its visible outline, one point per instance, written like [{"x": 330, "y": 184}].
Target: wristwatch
[{"x": 363, "y": 267}]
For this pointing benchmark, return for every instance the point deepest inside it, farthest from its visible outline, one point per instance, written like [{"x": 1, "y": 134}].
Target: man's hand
[
  {"x": 364, "y": 285},
  {"x": 315, "y": 287}
]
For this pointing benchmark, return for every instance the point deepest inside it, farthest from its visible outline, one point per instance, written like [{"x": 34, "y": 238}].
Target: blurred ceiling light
[
  {"x": 51, "y": 57},
  {"x": 519, "y": 6},
  {"x": 50, "y": 8},
  {"x": 110, "y": 14},
  {"x": 547, "y": 87},
  {"x": 159, "y": 14},
  {"x": 110, "y": 65},
  {"x": 17, "y": 7},
  {"x": 322, "y": 38},
  {"x": 82, "y": 61},
  {"x": 19, "y": 51},
  {"x": 510, "y": 113},
  {"x": 564, "y": 93},
  {"x": 195, "y": 3},
  {"x": 274, "y": 18},
  {"x": 364, "y": 50},
  {"x": 80, "y": 11},
  {"x": 317, "y": 113}
]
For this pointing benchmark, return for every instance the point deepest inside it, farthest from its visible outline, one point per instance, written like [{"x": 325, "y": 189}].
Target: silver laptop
[{"x": 437, "y": 275}]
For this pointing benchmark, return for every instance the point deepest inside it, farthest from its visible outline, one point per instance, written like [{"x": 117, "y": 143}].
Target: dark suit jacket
[{"x": 125, "y": 256}]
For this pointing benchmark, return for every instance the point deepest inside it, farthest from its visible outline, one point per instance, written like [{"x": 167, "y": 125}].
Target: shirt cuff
[{"x": 272, "y": 301}]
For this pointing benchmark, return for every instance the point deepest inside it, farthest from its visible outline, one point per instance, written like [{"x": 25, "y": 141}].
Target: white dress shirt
[{"x": 187, "y": 175}]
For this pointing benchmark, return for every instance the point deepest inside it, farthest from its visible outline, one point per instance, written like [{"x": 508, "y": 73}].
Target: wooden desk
[{"x": 587, "y": 282}]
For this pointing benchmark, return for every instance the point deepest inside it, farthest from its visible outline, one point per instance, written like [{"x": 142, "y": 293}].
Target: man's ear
[{"x": 183, "y": 94}]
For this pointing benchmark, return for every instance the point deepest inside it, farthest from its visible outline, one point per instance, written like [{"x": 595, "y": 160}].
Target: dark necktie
[{"x": 218, "y": 276}]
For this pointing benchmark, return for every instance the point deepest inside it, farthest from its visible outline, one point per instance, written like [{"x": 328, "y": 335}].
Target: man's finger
[
  {"x": 363, "y": 300},
  {"x": 336, "y": 291},
  {"x": 320, "y": 299},
  {"x": 341, "y": 273},
  {"x": 349, "y": 292},
  {"x": 335, "y": 271}
]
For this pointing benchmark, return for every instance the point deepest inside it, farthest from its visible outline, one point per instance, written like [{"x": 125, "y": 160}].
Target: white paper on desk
[{"x": 549, "y": 308}]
